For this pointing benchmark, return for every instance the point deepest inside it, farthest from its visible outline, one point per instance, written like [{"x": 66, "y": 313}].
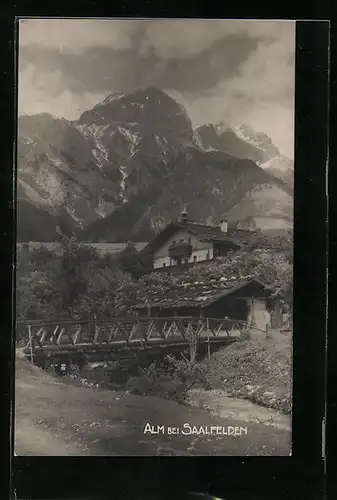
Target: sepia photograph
[{"x": 154, "y": 256}]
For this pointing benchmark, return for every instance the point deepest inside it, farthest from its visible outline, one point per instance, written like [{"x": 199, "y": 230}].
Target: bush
[
  {"x": 170, "y": 379},
  {"x": 164, "y": 387}
]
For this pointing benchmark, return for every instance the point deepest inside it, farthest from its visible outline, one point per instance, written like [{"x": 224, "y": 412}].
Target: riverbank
[
  {"x": 257, "y": 370},
  {"x": 218, "y": 403}
]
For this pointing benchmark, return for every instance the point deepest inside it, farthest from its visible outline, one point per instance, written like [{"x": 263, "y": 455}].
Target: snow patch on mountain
[
  {"x": 134, "y": 138},
  {"x": 71, "y": 211},
  {"x": 281, "y": 167},
  {"x": 131, "y": 137},
  {"x": 247, "y": 134},
  {"x": 221, "y": 127},
  {"x": 160, "y": 141},
  {"x": 113, "y": 97},
  {"x": 280, "y": 162},
  {"x": 28, "y": 140},
  {"x": 102, "y": 209},
  {"x": 95, "y": 155},
  {"x": 122, "y": 184},
  {"x": 96, "y": 132},
  {"x": 141, "y": 106}
]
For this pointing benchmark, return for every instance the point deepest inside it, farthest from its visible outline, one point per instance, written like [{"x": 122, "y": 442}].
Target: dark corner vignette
[
  {"x": 281, "y": 475},
  {"x": 7, "y": 250}
]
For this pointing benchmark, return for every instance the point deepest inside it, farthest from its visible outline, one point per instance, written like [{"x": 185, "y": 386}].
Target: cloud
[
  {"x": 237, "y": 71},
  {"x": 185, "y": 38},
  {"x": 168, "y": 38},
  {"x": 76, "y": 35},
  {"x": 38, "y": 91},
  {"x": 107, "y": 69}
]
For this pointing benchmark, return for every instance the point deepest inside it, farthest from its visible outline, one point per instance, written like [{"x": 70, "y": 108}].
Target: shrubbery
[
  {"x": 171, "y": 379},
  {"x": 77, "y": 283}
]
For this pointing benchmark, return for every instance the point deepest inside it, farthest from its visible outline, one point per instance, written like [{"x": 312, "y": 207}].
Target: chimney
[
  {"x": 224, "y": 226},
  {"x": 183, "y": 215}
]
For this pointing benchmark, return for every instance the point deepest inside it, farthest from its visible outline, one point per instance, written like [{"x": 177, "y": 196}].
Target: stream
[
  {"x": 62, "y": 417},
  {"x": 215, "y": 401},
  {"x": 218, "y": 403}
]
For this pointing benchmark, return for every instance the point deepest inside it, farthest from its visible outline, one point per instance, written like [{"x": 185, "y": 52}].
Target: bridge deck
[{"x": 117, "y": 334}]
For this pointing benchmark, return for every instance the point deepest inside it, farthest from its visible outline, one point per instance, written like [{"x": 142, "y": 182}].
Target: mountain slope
[
  {"x": 90, "y": 167},
  {"x": 243, "y": 142},
  {"x": 126, "y": 167},
  {"x": 212, "y": 185},
  {"x": 57, "y": 169}
]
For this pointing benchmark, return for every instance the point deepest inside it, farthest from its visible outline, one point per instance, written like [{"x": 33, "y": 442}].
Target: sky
[{"x": 235, "y": 71}]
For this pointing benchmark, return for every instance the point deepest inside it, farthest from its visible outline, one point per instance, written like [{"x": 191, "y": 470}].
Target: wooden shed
[{"x": 248, "y": 300}]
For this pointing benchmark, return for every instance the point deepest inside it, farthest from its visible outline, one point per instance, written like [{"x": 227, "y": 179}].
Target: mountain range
[{"x": 131, "y": 163}]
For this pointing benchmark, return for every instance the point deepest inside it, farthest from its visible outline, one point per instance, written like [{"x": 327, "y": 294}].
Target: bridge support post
[
  {"x": 30, "y": 343},
  {"x": 208, "y": 348}
]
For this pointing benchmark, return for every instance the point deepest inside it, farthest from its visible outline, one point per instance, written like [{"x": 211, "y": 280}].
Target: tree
[{"x": 133, "y": 262}]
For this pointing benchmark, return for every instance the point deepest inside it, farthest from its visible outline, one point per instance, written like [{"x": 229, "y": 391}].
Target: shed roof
[{"x": 197, "y": 294}]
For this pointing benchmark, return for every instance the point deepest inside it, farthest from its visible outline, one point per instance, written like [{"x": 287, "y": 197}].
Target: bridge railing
[{"x": 127, "y": 331}]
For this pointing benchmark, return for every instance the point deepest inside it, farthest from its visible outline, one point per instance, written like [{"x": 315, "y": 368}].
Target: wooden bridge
[{"x": 121, "y": 337}]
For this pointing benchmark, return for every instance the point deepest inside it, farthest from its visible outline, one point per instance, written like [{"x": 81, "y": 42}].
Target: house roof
[
  {"x": 197, "y": 293},
  {"x": 202, "y": 231}
]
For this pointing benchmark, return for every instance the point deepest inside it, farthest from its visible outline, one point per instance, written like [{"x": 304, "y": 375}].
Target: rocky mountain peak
[
  {"x": 125, "y": 167},
  {"x": 258, "y": 139}
]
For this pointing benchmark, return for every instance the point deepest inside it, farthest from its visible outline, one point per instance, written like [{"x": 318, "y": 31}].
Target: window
[
  {"x": 195, "y": 258},
  {"x": 164, "y": 264},
  {"x": 178, "y": 262}
]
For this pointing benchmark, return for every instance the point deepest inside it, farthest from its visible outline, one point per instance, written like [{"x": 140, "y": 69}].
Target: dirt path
[{"x": 53, "y": 418}]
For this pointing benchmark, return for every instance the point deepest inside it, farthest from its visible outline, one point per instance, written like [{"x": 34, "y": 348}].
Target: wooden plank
[
  {"x": 219, "y": 329},
  {"x": 150, "y": 329},
  {"x": 112, "y": 332},
  {"x": 181, "y": 328},
  {"x": 131, "y": 332},
  {"x": 200, "y": 329},
  {"x": 163, "y": 330},
  {"x": 143, "y": 327},
  {"x": 69, "y": 335},
  {"x": 53, "y": 337},
  {"x": 35, "y": 337},
  {"x": 60, "y": 336},
  {"x": 43, "y": 336},
  {"x": 134, "y": 330},
  {"x": 30, "y": 341},
  {"x": 158, "y": 327},
  {"x": 104, "y": 334},
  {"x": 170, "y": 328},
  {"x": 122, "y": 331},
  {"x": 96, "y": 335},
  {"x": 77, "y": 334},
  {"x": 139, "y": 327},
  {"x": 213, "y": 332}
]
